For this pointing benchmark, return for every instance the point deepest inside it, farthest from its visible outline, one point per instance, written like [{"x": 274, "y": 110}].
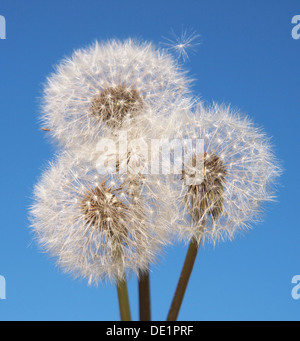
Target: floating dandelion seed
[
  {"x": 98, "y": 88},
  {"x": 182, "y": 44}
]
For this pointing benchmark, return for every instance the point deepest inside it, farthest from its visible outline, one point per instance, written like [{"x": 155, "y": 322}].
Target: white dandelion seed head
[
  {"x": 239, "y": 174},
  {"x": 99, "y": 87},
  {"x": 97, "y": 226}
]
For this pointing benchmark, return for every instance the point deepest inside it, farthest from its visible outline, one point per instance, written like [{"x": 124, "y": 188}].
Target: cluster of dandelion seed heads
[
  {"x": 97, "y": 227},
  {"x": 97, "y": 87},
  {"x": 239, "y": 172},
  {"x": 101, "y": 222}
]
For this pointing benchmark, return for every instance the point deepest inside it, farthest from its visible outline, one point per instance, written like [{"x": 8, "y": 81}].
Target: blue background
[{"x": 247, "y": 58}]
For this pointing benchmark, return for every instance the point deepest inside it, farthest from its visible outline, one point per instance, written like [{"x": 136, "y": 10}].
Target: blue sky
[{"x": 247, "y": 58}]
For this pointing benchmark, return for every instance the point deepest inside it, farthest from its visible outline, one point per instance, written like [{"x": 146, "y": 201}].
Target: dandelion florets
[
  {"x": 112, "y": 105},
  {"x": 101, "y": 208},
  {"x": 206, "y": 198}
]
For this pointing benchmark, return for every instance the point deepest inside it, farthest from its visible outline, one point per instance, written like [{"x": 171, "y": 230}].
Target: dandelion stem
[
  {"x": 183, "y": 280},
  {"x": 144, "y": 296},
  {"x": 123, "y": 300}
]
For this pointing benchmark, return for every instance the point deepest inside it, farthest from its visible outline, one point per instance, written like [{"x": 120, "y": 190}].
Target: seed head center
[{"x": 113, "y": 104}]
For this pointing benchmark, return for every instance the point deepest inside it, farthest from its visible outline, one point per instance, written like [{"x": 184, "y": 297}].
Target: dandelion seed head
[
  {"x": 99, "y": 88},
  {"x": 239, "y": 175},
  {"x": 96, "y": 230}
]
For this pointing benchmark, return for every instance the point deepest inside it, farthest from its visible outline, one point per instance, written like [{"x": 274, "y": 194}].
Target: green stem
[
  {"x": 183, "y": 280},
  {"x": 144, "y": 296},
  {"x": 123, "y": 300}
]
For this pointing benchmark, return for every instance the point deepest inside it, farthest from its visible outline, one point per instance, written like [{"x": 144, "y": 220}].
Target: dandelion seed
[{"x": 182, "y": 44}]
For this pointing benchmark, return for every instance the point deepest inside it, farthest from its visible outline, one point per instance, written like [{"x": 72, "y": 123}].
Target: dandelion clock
[
  {"x": 95, "y": 90},
  {"x": 223, "y": 185}
]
